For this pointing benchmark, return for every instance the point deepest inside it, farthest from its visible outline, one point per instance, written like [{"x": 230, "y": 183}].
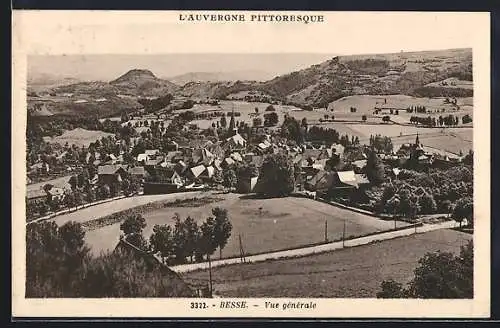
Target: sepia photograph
[{"x": 265, "y": 180}]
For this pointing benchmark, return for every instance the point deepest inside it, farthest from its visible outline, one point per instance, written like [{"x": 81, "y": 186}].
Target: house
[
  {"x": 339, "y": 184},
  {"x": 228, "y": 161},
  {"x": 359, "y": 165},
  {"x": 338, "y": 149},
  {"x": 138, "y": 172},
  {"x": 180, "y": 167},
  {"x": 142, "y": 158},
  {"x": 202, "y": 156},
  {"x": 109, "y": 174},
  {"x": 217, "y": 164},
  {"x": 237, "y": 157},
  {"x": 208, "y": 173},
  {"x": 56, "y": 193},
  {"x": 151, "y": 153},
  {"x": 34, "y": 195},
  {"x": 196, "y": 171},
  {"x": 236, "y": 142}
]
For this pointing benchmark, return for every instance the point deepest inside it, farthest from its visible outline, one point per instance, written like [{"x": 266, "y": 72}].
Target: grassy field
[
  {"x": 451, "y": 140},
  {"x": 78, "y": 136},
  {"x": 60, "y": 182},
  {"x": 263, "y": 224},
  {"x": 351, "y": 272},
  {"x": 366, "y": 103}
]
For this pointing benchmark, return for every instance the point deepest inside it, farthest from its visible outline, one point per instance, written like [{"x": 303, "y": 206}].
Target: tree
[
  {"x": 277, "y": 176},
  {"x": 386, "y": 118},
  {"x": 232, "y": 124},
  {"x": 191, "y": 233},
  {"x": 53, "y": 256},
  {"x": 257, "y": 122},
  {"x": 374, "y": 169},
  {"x": 206, "y": 242},
  {"x": 464, "y": 209},
  {"x": 222, "y": 229},
  {"x": 223, "y": 122},
  {"x": 161, "y": 241},
  {"x": 256, "y": 110},
  {"x": 104, "y": 192},
  {"x": 439, "y": 275},
  {"x": 73, "y": 181},
  {"x": 427, "y": 204},
  {"x": 230, "y": 178},
  {"x": 132, "y": 227},
  {"x": 364, "y": 118},
  {"x": 270, "y": 108},
  {"x": 270, "y": 119},
  {"x": 179, "y": 236},
  {"x": 391, "y": 289},
  {"x": 407, "y": 203}
]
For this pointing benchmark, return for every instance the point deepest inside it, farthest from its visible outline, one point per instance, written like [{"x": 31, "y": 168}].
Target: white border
[{"x": 93, "y": 32}]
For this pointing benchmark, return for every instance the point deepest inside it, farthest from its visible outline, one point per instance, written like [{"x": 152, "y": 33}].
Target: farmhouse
[
  {"x": 109, "y": 174},
  {"x": 336, "y": 184}
]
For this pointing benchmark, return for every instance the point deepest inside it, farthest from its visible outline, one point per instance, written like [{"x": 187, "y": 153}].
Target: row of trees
[
  {"x": 416, "y": 109},
  {"x": 439, "y": 191},
  {"x": 449, "y": 120},
  {"x": 184, "y": 240},
  {"x": 381, "y": 144}
]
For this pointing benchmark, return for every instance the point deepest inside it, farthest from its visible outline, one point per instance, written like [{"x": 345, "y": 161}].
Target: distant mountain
[
  {"x": 143, "y": 82},
  {"x": 406, "y": 73},
  {"x": 249, "y": 75}
]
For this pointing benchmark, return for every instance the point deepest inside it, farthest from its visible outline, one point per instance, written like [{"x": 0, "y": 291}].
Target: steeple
[{"x": 232, "y": 124}]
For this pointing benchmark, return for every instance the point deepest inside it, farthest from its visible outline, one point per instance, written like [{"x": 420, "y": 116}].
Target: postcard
[{"x": 220, "y": 164}]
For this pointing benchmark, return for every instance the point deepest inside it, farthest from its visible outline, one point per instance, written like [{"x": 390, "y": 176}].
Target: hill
[
  {"x": 407, "y": 73},
  {"x": 98, "y": 97},
  {"x": 399, "y": 73},
  {"x": 144, "y": 83},
  {"x": 250, "y": 75}
]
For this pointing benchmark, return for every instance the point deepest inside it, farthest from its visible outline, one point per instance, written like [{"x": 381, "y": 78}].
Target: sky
[{"x": 107, "y": 67}]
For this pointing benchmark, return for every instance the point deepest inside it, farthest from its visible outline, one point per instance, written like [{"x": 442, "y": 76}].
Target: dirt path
[
  {"x": 97, "y": 211},
  {"x": 315, "y": 249}
]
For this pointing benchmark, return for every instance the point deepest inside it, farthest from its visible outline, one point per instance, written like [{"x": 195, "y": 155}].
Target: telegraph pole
[
  {"x": 210, "y": 274},
  {"x": 343, "y": 236},
  {"x": 326, "y": 231},
  {"x": 242, "y": 252}
]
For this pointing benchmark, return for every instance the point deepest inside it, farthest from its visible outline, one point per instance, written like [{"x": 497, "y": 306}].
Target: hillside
[
  {"x": 413, "y": 73},
  {"x": 144, "y": 83},
  {"x": 98, "y": 97},
  {"x": 203, "y": 90},
  {"x": 250, "y": 75},
  {"x": 400, "y": 73}
]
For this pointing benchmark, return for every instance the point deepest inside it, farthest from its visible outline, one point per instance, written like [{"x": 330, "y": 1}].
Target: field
[
  {"x": 366, "y": 103},
  {"x": 351, "y": 272},
  {"x": 263, "y": 224},
  {"x": 79, "y": 137},
  {"x": 36, "y": 188}
]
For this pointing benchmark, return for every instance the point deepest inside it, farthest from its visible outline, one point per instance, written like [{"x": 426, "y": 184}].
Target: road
[
  {"x": 104, "y": 209},
  {"x": 315, "y": 249}
]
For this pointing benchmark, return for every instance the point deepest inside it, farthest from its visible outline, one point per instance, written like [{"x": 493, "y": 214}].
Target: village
[{"x": 226, "y": 156}]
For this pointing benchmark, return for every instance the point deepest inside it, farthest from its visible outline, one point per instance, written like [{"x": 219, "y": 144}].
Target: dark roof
[
  {"x": 138, "y": 170},
  {"x": 109, "y": 169}
]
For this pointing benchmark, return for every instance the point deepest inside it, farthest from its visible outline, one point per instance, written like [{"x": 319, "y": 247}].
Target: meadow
[
  {"x": 355, "y": 272},
  {"x": 264, "y": 225},
  {"x": 79, "y": 137}
]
